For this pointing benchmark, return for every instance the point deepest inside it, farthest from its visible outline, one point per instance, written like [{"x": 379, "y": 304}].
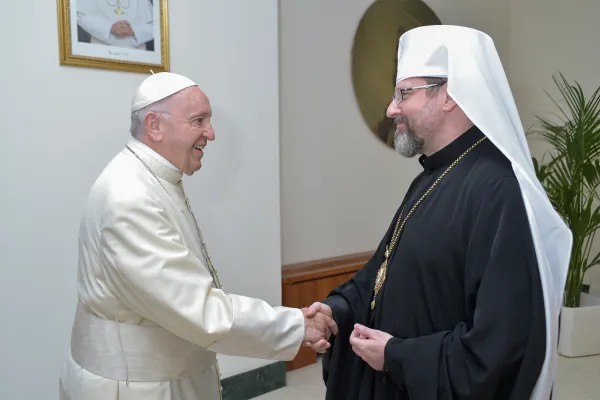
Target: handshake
[{"x": 318, "y": 327}]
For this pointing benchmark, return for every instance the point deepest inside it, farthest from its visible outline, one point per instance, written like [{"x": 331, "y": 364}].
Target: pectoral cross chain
[
  {"x": 381, "y": 275},
  {"x": 400, "y": 224}
]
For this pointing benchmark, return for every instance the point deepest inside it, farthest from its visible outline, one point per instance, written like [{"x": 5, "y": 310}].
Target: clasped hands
[
  {"x": 122, "y": 29},
  {"x": 319, "y": 326},
  {"x": 368, "y": 344}
]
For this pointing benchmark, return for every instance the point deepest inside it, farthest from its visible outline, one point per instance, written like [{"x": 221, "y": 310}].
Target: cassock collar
[
  {"x": 448, "y": 154},
  {"x": 157, "y": 163}
]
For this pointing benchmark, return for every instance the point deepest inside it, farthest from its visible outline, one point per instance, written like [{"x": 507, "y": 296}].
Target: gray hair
[
  {"x": 434, "y": 81},
  {"x": 136, "y": 129}
]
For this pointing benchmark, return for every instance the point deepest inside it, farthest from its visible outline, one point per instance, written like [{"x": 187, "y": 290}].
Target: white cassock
[
  {"x": 98, "y": 16},
  {"x": 141, "y": 263}
]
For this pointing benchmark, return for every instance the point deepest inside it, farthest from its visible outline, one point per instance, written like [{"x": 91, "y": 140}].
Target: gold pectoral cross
[
  {"x": 400, "y": 226},
  {"x": 119, "y": 11},
  {"x": 381, "y": 276}
]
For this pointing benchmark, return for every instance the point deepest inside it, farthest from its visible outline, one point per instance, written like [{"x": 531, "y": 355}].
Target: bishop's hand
[{"x": 369, "y": 344}]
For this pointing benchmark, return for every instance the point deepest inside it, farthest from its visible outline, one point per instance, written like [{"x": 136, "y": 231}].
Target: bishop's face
[
  {"x": 188, "y": 130},
  {"x": 417, "y": 117}
]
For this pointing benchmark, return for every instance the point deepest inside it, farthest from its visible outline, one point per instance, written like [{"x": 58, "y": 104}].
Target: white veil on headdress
[{"x": 478, "y": 84}]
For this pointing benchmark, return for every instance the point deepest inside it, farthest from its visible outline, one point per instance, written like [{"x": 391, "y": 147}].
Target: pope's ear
[{"x": 152, "y": 127}]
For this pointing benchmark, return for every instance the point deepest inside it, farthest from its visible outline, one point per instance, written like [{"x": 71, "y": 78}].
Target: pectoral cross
[
  {"x": 381, "y": 276},
  {"x": 119, "y": 11}
]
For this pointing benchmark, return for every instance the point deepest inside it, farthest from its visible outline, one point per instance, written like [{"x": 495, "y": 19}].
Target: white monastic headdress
[
  {"x": 478, "y": 84},
  {"x": 157, "y": 87}
]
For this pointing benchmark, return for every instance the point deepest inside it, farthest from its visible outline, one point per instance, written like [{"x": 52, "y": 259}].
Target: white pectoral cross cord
[
  {"x": 211, "y": 268},
  {"x": 207, "y": 256}
]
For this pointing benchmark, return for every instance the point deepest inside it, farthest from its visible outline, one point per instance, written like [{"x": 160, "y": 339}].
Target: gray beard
[{"x": 406, "y": 143}]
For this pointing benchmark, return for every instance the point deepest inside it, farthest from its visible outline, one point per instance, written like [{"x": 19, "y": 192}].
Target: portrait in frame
[{"x": 123, "y": 35}]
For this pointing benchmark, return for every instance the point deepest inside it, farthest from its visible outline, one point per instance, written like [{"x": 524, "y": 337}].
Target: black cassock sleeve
[
  {"x": 342, "y": 369},
  {"x": 348, "y": 303},
  {"x": 349, "y": 300},
  {"x": 480, "y": 358}
]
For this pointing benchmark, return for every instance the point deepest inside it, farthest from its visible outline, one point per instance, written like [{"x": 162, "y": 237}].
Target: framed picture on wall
[{"x": 124, "y": 35}]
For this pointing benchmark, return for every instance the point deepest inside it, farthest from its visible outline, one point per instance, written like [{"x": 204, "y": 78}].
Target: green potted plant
[{"x": 570, "y": 174}]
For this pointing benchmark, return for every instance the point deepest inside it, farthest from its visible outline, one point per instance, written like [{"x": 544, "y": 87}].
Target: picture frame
[{"x": 121, "y": 35}]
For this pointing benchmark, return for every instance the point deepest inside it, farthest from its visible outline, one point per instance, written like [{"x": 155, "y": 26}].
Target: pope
[
  {"x": 127, "y": 24},
  {"x": 152, "y": 315}
]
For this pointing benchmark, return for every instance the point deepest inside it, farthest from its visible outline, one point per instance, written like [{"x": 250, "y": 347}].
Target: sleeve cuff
[
  {"x": 392, "y": 363},
  {"x": 337, "y": 305},
  {"x": 141, "y": 34}
]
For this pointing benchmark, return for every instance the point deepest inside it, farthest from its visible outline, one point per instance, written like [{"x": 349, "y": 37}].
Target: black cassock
[{"x": 462, "y": 298}]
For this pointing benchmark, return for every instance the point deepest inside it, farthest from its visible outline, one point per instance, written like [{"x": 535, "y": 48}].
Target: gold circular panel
[{"x": 374, "y": 53}]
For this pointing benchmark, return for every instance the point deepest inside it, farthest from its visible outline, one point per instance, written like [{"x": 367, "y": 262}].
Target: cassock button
[{"x": 402, "y": 388}]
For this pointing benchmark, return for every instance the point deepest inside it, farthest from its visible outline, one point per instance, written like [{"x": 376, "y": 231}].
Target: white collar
[{"x": 157, "y": 163}]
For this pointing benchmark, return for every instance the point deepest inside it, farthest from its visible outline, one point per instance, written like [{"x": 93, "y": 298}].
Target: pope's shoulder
[{"x": 122, "y": 181}]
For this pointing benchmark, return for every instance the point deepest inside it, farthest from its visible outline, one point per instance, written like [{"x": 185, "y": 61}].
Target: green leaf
[
  {"x": 570, "y": 172},
  {"x": 594, "y": 262},
  {"x": 589, "y": 172}
]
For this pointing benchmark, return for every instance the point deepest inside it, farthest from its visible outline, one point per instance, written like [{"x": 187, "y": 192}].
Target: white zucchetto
[{"x": 157, "y": 87}]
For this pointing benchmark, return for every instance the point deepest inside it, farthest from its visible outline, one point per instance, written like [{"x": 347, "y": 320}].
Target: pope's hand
[
  {"x": 121, "y": 29},
  {"x": 126, "y": 27},
  {"x": 319, "y": 307},
  {"x": 318, "y": 329},
  {"x": 320, "y": 312},
  {"x": 369, "y": 344}
]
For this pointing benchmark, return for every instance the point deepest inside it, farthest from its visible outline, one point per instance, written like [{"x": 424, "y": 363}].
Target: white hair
[{"x": 160, "y": 107}]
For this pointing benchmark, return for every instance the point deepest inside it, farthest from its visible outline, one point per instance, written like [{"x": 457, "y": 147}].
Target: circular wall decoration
[{"x": 374, "y": 53}]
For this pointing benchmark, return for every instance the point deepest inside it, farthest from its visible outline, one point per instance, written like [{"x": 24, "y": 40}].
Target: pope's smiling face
[{"x": 183, "y": 131}]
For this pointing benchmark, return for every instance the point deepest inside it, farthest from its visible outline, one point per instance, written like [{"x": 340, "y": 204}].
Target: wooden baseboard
[{"x": 306, "y": 282}]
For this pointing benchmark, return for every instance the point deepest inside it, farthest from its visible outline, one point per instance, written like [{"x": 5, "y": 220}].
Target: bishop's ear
[
  {"x": 449, "y": 103},
  {"x": 152, "y": 126}
]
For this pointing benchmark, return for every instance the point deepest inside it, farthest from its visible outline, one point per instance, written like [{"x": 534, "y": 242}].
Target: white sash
[{"x": 128, "y": 352}]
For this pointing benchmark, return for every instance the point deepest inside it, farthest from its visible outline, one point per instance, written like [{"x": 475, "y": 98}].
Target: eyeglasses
[{"x": 399, "y": 93}]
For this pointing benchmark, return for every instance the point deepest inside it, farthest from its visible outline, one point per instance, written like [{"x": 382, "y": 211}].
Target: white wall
[
  {"x": 61, "y": 125},
  {"x": 548, "y": 37},
  {"x": 340, "y": 185}
]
